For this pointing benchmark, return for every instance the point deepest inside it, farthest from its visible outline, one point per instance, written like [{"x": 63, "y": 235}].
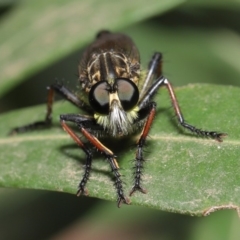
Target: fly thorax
[{"x": 108, "y": 66}]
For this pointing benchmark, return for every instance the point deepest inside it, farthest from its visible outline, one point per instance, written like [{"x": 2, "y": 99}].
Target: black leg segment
[
  {"x": 139, "y": 160},
  {"x": 47, "y": 122},
  {"x": 109, "y": 155}
]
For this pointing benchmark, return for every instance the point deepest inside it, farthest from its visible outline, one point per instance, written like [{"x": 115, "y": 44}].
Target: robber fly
[{"x": 118, "y": 100}]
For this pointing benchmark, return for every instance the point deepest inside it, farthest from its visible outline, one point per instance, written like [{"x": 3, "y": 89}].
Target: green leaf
[
  {"x": 36, "y": 34},
  {"x": 183, "y": 173}
]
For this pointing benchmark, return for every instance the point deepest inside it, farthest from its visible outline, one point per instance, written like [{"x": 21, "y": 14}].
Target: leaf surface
[{"x": 183, "y": 173}]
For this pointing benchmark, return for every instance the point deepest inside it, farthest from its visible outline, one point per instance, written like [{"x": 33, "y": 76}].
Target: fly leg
[
  {"x": 88, "y": 165},
  {"x": 148, "y": 109},
  {"x": 47, "y": 122},
  {"x": 155, "y": 70},
  {"x": 111, "y": 158},
  {"x": 204, "y": 133},
  {"x": 139, "y": 160}
]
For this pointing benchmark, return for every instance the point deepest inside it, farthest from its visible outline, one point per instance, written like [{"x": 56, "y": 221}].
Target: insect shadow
[{"x": 118, "y": 146}]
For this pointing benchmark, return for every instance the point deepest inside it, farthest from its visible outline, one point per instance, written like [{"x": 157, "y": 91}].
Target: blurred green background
[{"x": 200, "y": 42}]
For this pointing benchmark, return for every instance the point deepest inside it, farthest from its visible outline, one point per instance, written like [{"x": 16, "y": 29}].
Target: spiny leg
[
  {"x": 113, "y": 163},
  {"x": 77, "y": 119},
  {"x": 88, "y": 165},
  {"x": 139, "y": 160},
  {"x": 142, "y": 106},
  {"x": 212, "y": 134},
  {"x": 155, "y": 69},
  {"x": 162, "y": 81},
  {"x": 147, "y": 109},
  {"x": 66, "y": 94}
]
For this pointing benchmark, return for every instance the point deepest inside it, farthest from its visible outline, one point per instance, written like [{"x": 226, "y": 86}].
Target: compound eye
[
  {"x": 127, "y": 92},
  {"x": 99, "y": 97}
]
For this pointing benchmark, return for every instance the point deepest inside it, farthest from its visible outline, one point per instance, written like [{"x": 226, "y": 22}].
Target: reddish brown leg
[
  {"x": 147, "y": 93},
  {"x": 66, "y": 94},
  {"x": 162, "y": 81},
  {"x": 82, "y": 184},
  {"x": 104, "y": 150},
  {"x": 215, "y": 135},
  {"x": 139, "y": 153}
]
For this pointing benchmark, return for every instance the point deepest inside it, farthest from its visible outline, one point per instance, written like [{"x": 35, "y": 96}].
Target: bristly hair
[{"x": 118, "y": 122}]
